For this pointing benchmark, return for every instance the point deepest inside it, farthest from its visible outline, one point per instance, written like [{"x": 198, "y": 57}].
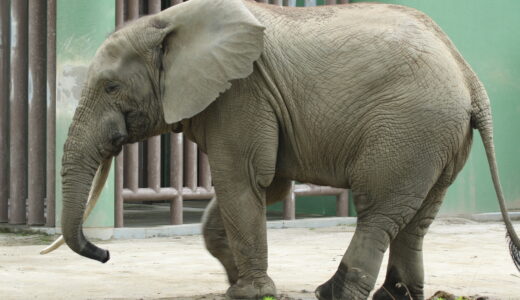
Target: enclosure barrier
[
  {"x": 138, "y": 167},
  {"x": 27, "y": 111},
  {"x": 164, "y": 168}
]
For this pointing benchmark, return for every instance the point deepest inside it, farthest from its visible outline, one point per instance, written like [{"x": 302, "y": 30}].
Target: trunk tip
[{"x": 106, "y": 257}]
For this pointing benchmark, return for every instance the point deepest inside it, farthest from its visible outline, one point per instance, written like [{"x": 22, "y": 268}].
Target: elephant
[{"x": 370, "y": 97}]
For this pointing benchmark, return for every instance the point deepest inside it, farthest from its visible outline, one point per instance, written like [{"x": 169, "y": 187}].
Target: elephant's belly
[{"x": 315, "y": 168}]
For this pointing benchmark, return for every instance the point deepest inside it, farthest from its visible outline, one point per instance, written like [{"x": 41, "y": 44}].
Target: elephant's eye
[{"x": 111, "y": 87}]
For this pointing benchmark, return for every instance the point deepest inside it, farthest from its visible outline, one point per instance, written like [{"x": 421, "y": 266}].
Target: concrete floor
[{"x": 463, "y": 257}]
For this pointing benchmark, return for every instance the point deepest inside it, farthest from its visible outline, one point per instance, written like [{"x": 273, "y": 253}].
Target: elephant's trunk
[{"x": 80, "y": 161}]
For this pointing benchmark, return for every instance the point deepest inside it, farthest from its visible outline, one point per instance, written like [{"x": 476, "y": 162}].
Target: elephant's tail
[{"x": 482, "y": 121}]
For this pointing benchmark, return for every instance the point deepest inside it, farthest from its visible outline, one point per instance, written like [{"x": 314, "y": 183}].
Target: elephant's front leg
[
  {"x": 242, "y": 209},
  {"x": 215, "y": 236},
  {"x": 216, "y": 240}
]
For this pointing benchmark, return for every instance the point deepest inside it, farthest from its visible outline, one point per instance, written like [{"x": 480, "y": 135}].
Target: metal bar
[
  {"x": 154, "y": 162},
  {"x": 176, "y": 176},
  {"x": 154, "y": 6},
  {"x": 37, "y": 111},
  {"x": 176, "y": 160},
  {"x": 51, "y": 114},
  {"x": 131, "y": 173},
  {"x": 119, "y": 216},
  {"x": 120, "y": 159},
  {"x": 120, "y": 13},
  {"x": 176, "y": 217},
  {"x": 131, "y": 154},
  {"x": 314, "y": 190},
  {"x": 5, "y": 48},
  {"x": 342, "y": 205},
  {"x": 166, "y": 194},
  {"x": 133, "y": 9},
  {"x": 278, "y": 2},
  {"x": 204, "y": 171},
  {"x": 330, "y": 2},
  {"x": 190, "y": 167},
  {"x": 18, "y": 126},
  {"x": 289, "y": 205}
]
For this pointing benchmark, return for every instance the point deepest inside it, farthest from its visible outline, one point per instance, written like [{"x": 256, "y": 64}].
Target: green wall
[{"x": 81, "y": 27}]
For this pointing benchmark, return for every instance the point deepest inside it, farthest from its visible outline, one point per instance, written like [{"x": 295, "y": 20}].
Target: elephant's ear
[{"x": 209, "y": 44}]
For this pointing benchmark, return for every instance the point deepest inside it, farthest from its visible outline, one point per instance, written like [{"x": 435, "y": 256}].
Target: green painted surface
[
  {"x": 81, "y": 27},
  {"x": 485, "y": 32}
]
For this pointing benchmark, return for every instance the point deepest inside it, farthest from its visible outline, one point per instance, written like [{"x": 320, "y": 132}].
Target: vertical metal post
[
  {"x": 133, "y": 9},
  {"x": 131, "y": 154},
  {"x": 51, "y": 114},
  {"x": 37, "y": 111},
  {"x": 120, "y": 13},
  {"x": 154, "y": 6},
  {"x": 131, "y": 176},
  {"x": 342, "y": 204},
  {"x": 278, "y": 2},
  {"x": 154, "y": 163},
  {"x": 18, "y": 107},
  {"x": 5, "y": 48},
  {"x": 330, "y": 2},
  {"x": 176, "y": 176},
  {"x": 154, "y": 143},
  {"x": 119, "y": 221},
  {"x": 204, "y": 171},
  {"x": 120, "y": 159},
  {"x": 190, "y": 171},
  {"x": 289, "y": 205}
]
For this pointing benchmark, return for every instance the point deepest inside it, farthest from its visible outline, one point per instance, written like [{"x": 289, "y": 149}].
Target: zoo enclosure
[{"x": 164, "y": 168}]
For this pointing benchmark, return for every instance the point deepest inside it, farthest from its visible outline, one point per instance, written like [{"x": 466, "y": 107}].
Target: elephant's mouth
[{"x": 114, "y": 147}]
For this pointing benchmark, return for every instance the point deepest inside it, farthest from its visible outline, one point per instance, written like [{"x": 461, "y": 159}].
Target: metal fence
[
  {"x": 164, "y": 168},
  {"x": 184, "y": 169},
  {"x": 27, "y": 111}
]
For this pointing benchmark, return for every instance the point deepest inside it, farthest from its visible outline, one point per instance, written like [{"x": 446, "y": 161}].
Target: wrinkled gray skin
[{"x": 370, "y": 97}]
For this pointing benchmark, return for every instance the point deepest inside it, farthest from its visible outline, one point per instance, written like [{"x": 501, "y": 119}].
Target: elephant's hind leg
[
  {"x": 386, "y": 200},
  {"x": 405, "y": 274},
  {"x": 378, "y": 224}
]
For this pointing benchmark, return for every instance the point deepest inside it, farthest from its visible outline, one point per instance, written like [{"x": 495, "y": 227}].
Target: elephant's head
[{"x": 150, "y": 74}]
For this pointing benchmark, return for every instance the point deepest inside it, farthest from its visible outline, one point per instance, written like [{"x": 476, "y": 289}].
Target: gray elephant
[{"x": 370, "y": 97}]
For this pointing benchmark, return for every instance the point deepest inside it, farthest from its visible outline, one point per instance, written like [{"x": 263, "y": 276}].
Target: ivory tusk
[{"x": 93, "y": 196}]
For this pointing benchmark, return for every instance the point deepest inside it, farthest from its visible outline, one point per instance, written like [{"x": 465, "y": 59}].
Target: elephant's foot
[
  {"x": 347, "y": 283},
  {"x": 398, "y": 291},
  {"x": 256, "y": 288},
  {"x": 398, "y": 288}
]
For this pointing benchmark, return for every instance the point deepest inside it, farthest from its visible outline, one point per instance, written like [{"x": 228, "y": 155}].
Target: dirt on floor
[{"x": 462, "y": 257}]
